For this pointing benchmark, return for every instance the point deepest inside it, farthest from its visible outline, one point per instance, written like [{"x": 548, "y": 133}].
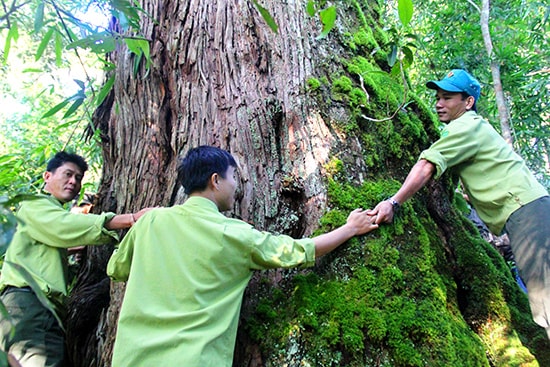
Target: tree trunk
[
  {"x": 503, "y": 112},
  {"x": 288, "y": 106}
]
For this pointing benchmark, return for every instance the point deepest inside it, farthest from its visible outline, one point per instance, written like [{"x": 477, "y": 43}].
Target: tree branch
[{"x": 503, "y": 112}]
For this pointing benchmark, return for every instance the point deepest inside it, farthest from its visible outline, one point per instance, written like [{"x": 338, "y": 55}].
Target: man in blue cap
[{"x": 505, "y": 194}]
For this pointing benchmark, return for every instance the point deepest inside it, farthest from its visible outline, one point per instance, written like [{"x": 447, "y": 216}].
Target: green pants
[
  {"x": 529, "y": 231},
  {"x": 33, "y": 336}
]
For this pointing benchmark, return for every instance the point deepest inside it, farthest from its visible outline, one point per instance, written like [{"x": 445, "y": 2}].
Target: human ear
[
  {"x": 470, "y": 101},
  {"x": 214, "y": 181}
]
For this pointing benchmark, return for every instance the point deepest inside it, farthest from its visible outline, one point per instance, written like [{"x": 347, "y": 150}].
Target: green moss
[
  {"x": 313, "y": 84},
  {"x": 334, "y": 167},
  {"x": 363, "y": 41},
  {"x": 390, "y": 298},
  {"x": 342, "y": 86},
  {"x": 407, "y": 294},
  {"x": 357, "y": 97},
  {"x": 363, "y": 37},
  {"x": 370, "y": 151}
]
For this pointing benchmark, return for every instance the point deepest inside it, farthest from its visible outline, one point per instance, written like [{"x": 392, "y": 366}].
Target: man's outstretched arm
[
  {"x": 358, "y": 223},
  {"x": 417, "y": 178}
]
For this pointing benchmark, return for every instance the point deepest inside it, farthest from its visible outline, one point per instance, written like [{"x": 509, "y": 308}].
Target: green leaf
[
  {"x": 56, "y": 109},
  {"x": 72, "y": 36},
  {"x": 13, "y": 34},
  {"x": 395, "y": 70},
  {"x": 39, "y": 17},
  {"x": 392, "y": 56},
  {"x": 146, "y": 52},
  {"x": 267, "y": 17},
  {"x": 137, "y": 59},
  {"x": 80, "y": 83},
  {"x": 409, "y": 56},
  {"x": 328, "y": 17},
  {"x": 139, "y": 47},
  {"x": 126, "y": 13},
  {"x": 58, "y": 49},
  {"x": 102, "y": 42},
  {"x": 405, "y": 10},
  {"x": 105, "y": 90},
  {"x": 73, "y": 107},
  {"x": 43, "y": 44},
  {"x": 310, "y": 8},
  {"x": 33, "y": 70},
  {"x": 133, "y": 45}
]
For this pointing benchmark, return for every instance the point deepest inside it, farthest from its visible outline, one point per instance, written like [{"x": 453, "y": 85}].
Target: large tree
[{"x": 320, "y": 126}]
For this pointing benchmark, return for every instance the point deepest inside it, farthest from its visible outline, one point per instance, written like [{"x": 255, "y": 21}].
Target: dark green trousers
[
  {"x": 31, "y": 334},
  {"x": 529, "y": 231}
]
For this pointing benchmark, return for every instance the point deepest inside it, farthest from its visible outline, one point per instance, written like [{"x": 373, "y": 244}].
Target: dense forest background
[{"x": 426, "y": 290}]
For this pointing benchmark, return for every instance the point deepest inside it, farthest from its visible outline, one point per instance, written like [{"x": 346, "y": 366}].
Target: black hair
[
  {"x": 63, "y": 157},
  {"x": 200, "y": 164}
]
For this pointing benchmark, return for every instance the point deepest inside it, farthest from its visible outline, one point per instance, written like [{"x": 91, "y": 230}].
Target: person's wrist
[
  {"x": 394, "y": 203},
  {"x": 133, "y": 219}
]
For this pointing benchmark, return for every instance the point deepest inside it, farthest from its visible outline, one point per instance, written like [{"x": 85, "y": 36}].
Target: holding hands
[
  {"x": 361, "y": 222},
  {"x": 384, "y": 211}
]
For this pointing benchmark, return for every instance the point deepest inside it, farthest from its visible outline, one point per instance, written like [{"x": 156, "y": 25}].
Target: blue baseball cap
[{"x": 457, "y": 80}]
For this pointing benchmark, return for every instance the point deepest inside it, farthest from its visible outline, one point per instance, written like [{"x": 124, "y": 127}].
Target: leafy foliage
[
  {"x": 52, "y": 80},
  {"x": 267, "y": 17}
]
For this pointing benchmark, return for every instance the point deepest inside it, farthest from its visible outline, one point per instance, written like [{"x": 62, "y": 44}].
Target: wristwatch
[{"x": 394, "y": 204}]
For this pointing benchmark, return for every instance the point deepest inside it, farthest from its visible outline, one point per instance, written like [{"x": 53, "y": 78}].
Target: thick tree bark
[{"x": 220, "y": 76}]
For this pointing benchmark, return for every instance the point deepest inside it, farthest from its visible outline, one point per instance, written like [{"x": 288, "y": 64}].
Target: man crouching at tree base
[
  {"x": 503, "y": 191},
  {"x": 187, "y": 268},
  {"x": 35, "y": 266}
]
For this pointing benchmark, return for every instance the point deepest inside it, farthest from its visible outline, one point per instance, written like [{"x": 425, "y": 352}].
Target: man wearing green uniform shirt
[
  {"x": 503, "y": 191},
  {"x": 32, "y": 334},
  {"x": 187, "y": 268}
]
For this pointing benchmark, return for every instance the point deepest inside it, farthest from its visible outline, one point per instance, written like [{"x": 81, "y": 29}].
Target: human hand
[
  {"x": 383, "y": 212},
  {"x": 138, "y": 215},
  {"x": 361, "y": 221}
]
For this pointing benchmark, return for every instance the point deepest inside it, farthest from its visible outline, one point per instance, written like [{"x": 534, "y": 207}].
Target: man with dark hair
[
  {"x": 503, "y": 191},
  {"x": 62, "y": 157},
  {"x": 187, "y": 267},
  {"x": 35, "y": 266}
]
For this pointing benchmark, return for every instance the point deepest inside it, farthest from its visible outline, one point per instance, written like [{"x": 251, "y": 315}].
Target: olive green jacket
[{"x": 39, "y": 246}]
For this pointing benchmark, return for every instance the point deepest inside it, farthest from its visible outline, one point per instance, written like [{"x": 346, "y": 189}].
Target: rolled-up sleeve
[
  {"x": 56, "y": 227},
  {"x": 282, "y": 251},
  {"x": 456, "y": 145}
]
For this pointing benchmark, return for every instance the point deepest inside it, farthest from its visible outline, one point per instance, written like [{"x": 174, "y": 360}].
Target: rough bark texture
[{"x": 288, "y": 106}]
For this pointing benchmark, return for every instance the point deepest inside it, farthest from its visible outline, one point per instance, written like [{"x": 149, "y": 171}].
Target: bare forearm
[
  {"x": 121, "y": 221},
  {"x": 327, "y": 242},
  {"x": 419, "y": 175},
  {"x": 358, "y": 223}
]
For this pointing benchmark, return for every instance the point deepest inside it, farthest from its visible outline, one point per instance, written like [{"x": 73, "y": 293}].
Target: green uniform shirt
[
  {"x": 495, "y": 178},
  {"x": 39, "y": 245},
  {"x": 186, "y": 269}
]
